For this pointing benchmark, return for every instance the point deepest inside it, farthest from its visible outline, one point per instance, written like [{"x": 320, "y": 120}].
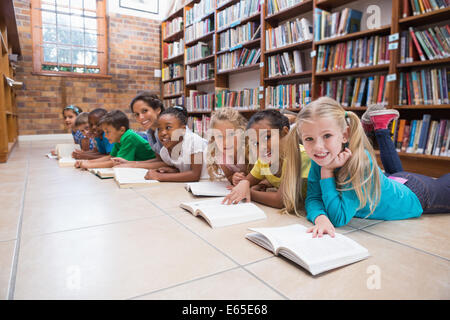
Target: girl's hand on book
[
  {"x": 77, "y": 154},
  {"x": 237, "y": 177},
  {"x": 118, "y": 160},
  {"x": 152, "y": 175},
  {"x": 322, "y": 226},
  {"x": 78, "y": 163},
  {"x": 238, "y": 193},
  {"x": 260, "y": 187}
]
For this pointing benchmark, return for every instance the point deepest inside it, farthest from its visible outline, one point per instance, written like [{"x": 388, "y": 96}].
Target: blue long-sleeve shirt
[{"x": 397, "y": 201}]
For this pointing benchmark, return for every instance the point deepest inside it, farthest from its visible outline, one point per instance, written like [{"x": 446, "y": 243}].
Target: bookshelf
[
  {"x": 310, "y": 77},
  {"x": 10, "y": 50}
]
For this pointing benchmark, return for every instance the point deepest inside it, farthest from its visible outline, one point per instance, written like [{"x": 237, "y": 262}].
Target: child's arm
[
  {"x": 233, "y": 177},
  {"x": 187, "y": 176},
  {"x": 85, "y": 142},
  {"x": 86, "y": 155},
  {"x": 103, "y": 162},
  {"x": 242, "y": 190},
  {"x": 146, "y": 164},
  {"x": 271, "y": 199}
]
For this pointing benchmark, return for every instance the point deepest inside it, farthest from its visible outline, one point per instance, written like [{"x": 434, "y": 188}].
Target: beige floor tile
[
  {"x": 358, "y": 223},
  {"x": 166, "y": 195},
  {"x": 428, "y": 233},
  {"x": 234, "y": 284},
  {"x": 6, "y": 260},
  {"x": 116, "y": 261},
  {"x": 231, "y": 239},
  {"x": 70, "y": 212},
  {"x": 403, "y": 273},
  {"x": 11, "y": 193},
  {"x": 9, "y": 219},
  {"x": 12, "y": 175}
]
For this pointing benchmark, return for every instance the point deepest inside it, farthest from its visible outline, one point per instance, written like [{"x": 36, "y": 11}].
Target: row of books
[
  {"x": 329, "y": 25},
  {"x": 274, "y": 6},
  {"x": 433, "y": 43},
  {"x": 422, "y": 6},
  {"x": 173, "y": 49},
  {"x": 233, "y": 14},
  {"x": 288, "y": 95},
  {"x": 174, "y": 87},
  {"x": 198, "y": 29},
  {"x": 199, "y": 11},
  {"x": 199, "y": 101},
  {"x": 238, "y": 58},
  {"x": 247, "y": 99},
  {"x": 199, "y": 125},
  {"x": 179, "y": 101},
  {"x": 200, "y": 72},
  {"x": 173, "y": 26},
  {"x": 353, "y": 54},
  {"x": 234, "y": 37},
  {"x": 173, "y": 70},
  {"x": 198, "y": 51},
  {"x": 426, "y": 136},
  {"x": 285, "y": 63},
  {"x": 293, "y": 31},
  {"x": 426, "y": 86},
  {"x": 356, "y": 92}
]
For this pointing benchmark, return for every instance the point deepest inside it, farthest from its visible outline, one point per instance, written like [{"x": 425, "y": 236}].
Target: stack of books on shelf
[
  {"x": 329, "y": 25},
  {"x": 200, "y": 72},
  {"x": 199, "y": 101},
  {"x": 356, "y": 92},
  {"x": 172, "y": 88},
  {"x": 199, "y": 51},
  {"x": 173, "y": 49},
  {"x": 418, "y": 7},
  {"x": 172, "y": 27},
  {"x": 430, "y": 44},
  {"x": 231, "y": 16},
  {"x": 247, "y": 99},
  {"x": 199, "y": 11},
  {"x": 274, "y": 6},
  {"x": 232, "y": 38},
  {"x": 174, "y": 102},
  {"x": 286, "y": 63},
  {"x": 353, "y": 54},
  {"x": 198, "y": 30},
  {"x": 199, "y": 125},
  {"x": 289, "y": 32},
  {"x": 288, "y": 95},
  {"x": 238, "y": 58},
  {"x": 173, "y": 70},
  {"x": 426, "y": 136},
  {"x": 428, "y": 86}
]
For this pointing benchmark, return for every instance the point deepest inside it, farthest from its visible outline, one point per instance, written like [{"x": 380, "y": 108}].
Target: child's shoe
[
  {"x": 365, "y": 118},
  {"x": 382, "y": 118}
]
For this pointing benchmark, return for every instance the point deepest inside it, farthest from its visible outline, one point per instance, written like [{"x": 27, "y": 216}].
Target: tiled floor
[{"x": 65, "y": 234}]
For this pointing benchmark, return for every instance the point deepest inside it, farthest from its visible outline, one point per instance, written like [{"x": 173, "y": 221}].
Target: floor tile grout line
[
  {"x": 268, "y": 285},
  {"x": 407, "y": 245},
  {"x": 210, "y": 244},
  {"x": 15, "y": 261}
]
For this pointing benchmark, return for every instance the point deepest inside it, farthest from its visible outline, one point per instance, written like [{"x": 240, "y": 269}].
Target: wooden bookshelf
[
  {"x": 306, "y": 8},
  {"x": 10, "y": 44}
]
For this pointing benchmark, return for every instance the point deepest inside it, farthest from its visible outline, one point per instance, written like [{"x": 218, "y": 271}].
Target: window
[{"x": 69, "y": 37}]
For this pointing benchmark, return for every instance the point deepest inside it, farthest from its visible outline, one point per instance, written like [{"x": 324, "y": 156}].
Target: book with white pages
[
  {"x": 132, "y": 177},
  {"x": 316, "y": 255},
  {"x": 208, "y": 188},
  {"x": 103, "y": 173},
  {"x": 64, "y": 153},
  {"x": 221, "y": 215}
]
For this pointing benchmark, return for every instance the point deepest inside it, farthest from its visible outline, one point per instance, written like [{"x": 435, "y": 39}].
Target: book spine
[
  {"x": 411, "y": 137},
  {"x": 416, "y": 43},
  {"x": 423, "y": 133}
]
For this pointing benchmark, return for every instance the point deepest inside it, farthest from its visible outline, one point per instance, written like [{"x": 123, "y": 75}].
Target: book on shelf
[
  {"x": 199, "y": 125},
  {"x": 199, "y": 11},
  {"x": 286, "y": 63},
  {"x": 208, "y": 188},
  {"x": 221, "y": 215},
  {"x": 173, "y": 70},
  {"x": 198, "y": 51},
  {"x": 199, "y": 101},
  {"x": 200, "y": 72},
  {"x": 289, "y": 32},
  {"x": 430, "y": 44},
  {"x": 103, "y": 173},
  {"x": 64, "y": 154},
  {"x": 232, "y": 39},
  {"x": 231, "y": 16},
  {"x": 198, "y": 30},
  {"x": 238, "y": 58},
  {"x": 172, "y": 27},
  {"x": 329, "y": 25},
  {"x": 179, "y": 101},
  {"x": 274, "y": 6},
  {"x": 174, "y": 87},
  {"x": 418, "y": 7},
  {"x": 171, "y": 50},
  {"x": 316, "y": 255},
  {"x": 132, "y": 178},
  {"x": 288, "y": 95},
  {"x": 246, "y": 99}
]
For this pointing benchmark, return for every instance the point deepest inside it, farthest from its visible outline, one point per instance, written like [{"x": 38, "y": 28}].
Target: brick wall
[{"x": 134, "y": 53}]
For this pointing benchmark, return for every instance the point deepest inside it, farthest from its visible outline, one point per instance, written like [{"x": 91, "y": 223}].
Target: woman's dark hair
[
  {"x": 117, "y": 119},
  {"x": 74, "y": 108},
  {"x": 276, "y": 119},
  {"x": 151, "y": 99},
  {"x": 179, "y": 112}
]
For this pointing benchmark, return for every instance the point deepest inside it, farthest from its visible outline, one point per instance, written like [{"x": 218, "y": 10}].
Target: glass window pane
[
  {"x": 78, "y": 56},
  {"x": 48, "y": 7},
  {"x": 64, "y": 3},
  {"x": 90, "y": 39},
  {"x": 48, "y": 17},
  {"x": 63, "y": 19},
  {"x": 90, "y": 13},
  {"x": 61, "y": 9},
  {"x": 50, "y": 54},
  {"x": 77, "y": 37},
  {"x": 90, "y": 4},
  {"x": 76, "y": 20},
  {"x": 49, "y": 33},
  {"x": 76, "y": 3},
  {"x": 64, "y": 36},
  {"x": 91, "y": 58},
  {"x": 90, "y": 23},
  {"x": 64, "y": 55}
]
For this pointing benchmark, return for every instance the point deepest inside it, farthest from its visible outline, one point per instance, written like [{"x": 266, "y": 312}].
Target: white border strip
[{"x": 37, "y": 137}]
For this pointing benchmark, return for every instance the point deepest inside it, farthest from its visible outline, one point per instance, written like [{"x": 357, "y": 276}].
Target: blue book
[
  {"x": 372, "y": 40},
  {"x": 412, "y": 135},
  {"x": 354, "y": 21},
  {"x": 424, "y": 133},
  {"x": 424, "y": 87},
  {"x": 317, "y": 23},
  {"x": 362, "y": 88}
]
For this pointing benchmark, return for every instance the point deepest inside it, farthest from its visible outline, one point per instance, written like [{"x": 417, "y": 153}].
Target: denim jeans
[{"x": 433, "y": 194}]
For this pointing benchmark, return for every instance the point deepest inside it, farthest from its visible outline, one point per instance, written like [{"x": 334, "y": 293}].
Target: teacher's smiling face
[{"x": 145, "y": 115}]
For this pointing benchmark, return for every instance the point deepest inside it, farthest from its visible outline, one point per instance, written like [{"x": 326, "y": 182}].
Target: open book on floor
[
  {"x": 64, "y": 154},
  {"x": 103, "y": 173},
  {"x": 220, "y": 215},
  {"x": 132, "y": 177},
  {"x": 316, "y": 255},
  {"x": 208, "y": 188}
]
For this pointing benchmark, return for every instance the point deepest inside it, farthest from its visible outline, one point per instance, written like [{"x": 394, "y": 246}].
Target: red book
[
  {"x": 408, "y": 91},
  {"x": 406, "y": 138},
  {"x": 419, "y": 50},
  {"x": 406, "y": 11},
  {"x": 380, "y": 89}
]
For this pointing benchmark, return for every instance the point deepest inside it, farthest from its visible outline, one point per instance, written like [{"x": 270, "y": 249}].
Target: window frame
[{"x": 102, "y": 44}]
